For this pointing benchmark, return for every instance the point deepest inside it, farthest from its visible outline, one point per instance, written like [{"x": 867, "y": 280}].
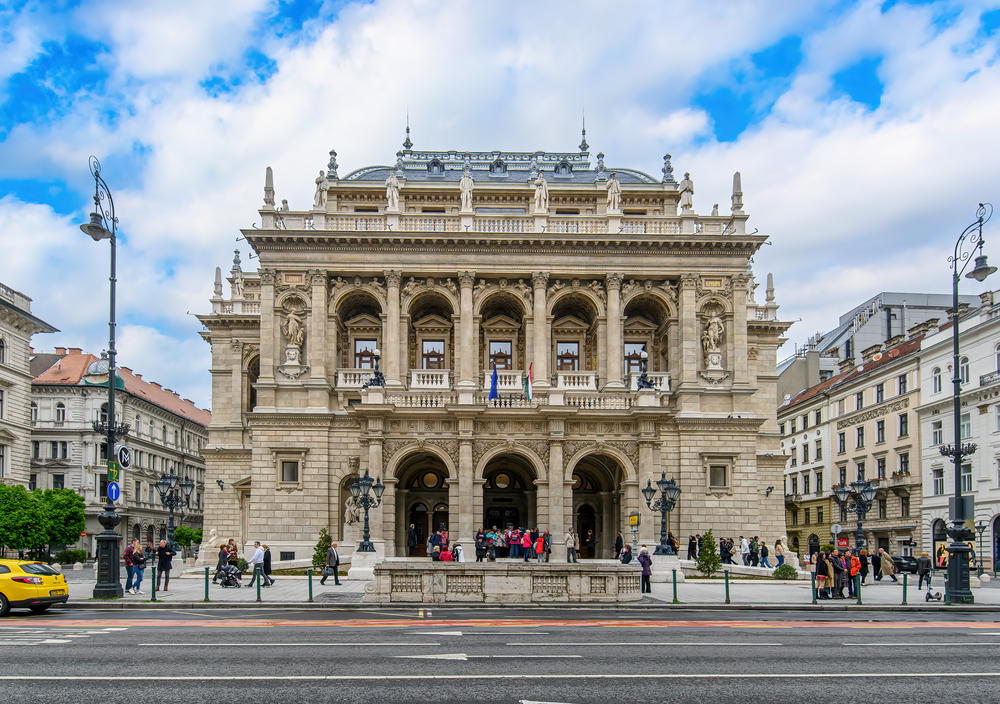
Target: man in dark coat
[
  {"x": 164, "y": 557},
  {"x": 411, "y": 539},
  {"x": 332, "y": 562}
]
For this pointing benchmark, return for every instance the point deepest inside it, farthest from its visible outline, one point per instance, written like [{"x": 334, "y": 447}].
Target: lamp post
[
  {"x": 669, "y": 492},
  {"x": 367, "y": 493},
  {"x": 166, "y": 487},
  {"x": 980, "y": 527},
  {"x": 643, "y": 381},
  {"x": 108, "y": 541},
  {"x": 377, "y": 378},
  {"x": 864, "y": 497},
  {"x": 959, "y": 591}
]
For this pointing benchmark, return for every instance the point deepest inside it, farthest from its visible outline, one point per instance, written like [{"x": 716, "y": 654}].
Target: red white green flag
[{"x": 527, "y": 383}]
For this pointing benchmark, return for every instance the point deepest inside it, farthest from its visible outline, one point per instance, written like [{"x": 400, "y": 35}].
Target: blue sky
[{"x": 864, "y": 131}]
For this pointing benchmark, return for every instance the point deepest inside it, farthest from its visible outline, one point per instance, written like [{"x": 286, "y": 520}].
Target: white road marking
[
  {"x": 441, "y": 656},
  {"x": 55, "y": 640},
  {"x": 683, "y": 645},
  {"x": 439, "y": 633},
  {"x": 914, "y": 644},
  {"x": 284, "y": 645},
  {"x": 492, "y": 676}
]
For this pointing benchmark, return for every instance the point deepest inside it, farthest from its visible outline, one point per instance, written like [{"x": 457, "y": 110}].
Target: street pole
[{"x": 669, "y": 493}]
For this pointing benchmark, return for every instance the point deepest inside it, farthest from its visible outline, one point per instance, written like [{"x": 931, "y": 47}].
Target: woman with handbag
[
  {"x": 138, "y": 568},
  {"x": 821, "y": 574}
]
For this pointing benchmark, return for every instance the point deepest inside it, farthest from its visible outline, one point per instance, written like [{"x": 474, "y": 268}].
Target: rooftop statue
[
  {"x": 614, "y": 193},
  {"x": 687, "y": 194},
  {"x": 319, "y": 201},
  {"x": 392, "y": 192},
  {"x": 466, "y": 184},
  {"x": 541, "y": 195}
]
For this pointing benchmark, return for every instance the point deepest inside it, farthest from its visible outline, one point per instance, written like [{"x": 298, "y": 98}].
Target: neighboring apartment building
[
  {"x": 17, "y": 325},
  {"x": 979, "y": 371},
  {"x": 859, "y": 424},
  {"x": 168, "y": 433},
  {"x": 450, "y": 265}
]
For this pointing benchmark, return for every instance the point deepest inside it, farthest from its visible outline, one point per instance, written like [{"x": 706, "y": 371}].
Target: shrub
[
  {"x": 785, "y": 572},
  {"x": 242, "y": 565},
  {"x": 709, "y": 561},
  {"x": 826, "y": 548},
  {"x": 68, "y": 557},
  {"x": 319, "y": 555}
]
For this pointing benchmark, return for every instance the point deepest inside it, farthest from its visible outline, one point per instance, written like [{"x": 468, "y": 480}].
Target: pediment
[
  {"x": 364, "y": 321},
  {"x": 502, "y": 323},
  {"x": 243, "y": 483},
  {"x": 7, "y": 436},
  {"x": 570, "y": 323},
  {"x": 639, "y": 325},
  {"x": 432, "y": 322}
]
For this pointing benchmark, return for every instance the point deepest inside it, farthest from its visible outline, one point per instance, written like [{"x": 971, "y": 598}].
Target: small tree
[
  {"x": 319, "y": 556},
  {"x": 709, "y": 561},
  {"x": 184, "y": 536},
  {"x": 64, "y": 515},
  {"x": 22, "y": 519}
]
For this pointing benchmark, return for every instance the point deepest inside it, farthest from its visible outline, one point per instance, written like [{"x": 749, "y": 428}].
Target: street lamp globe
[
  {"x": 662, "y": 483},
  {"x": 95, "y": 228},
  {"x": 649, "y": 492},
  {"x": 868, "y": 493},
  {"x": 673, "y": 491},
  {"x": 355, "y": 489},
  {"x": 187, "y": 486},
  {"x": 162, "y": 486},
  {"x": 379, "y": 488},
  {"x": 981, "y": 270},
  {"x": 843, "y": 493}
]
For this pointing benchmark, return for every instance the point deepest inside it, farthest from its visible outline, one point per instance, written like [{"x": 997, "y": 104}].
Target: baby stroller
[{"x": 229, "y": 576}]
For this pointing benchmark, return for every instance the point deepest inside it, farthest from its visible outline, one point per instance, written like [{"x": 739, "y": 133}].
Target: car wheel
[
  {"x": 4, "y": 605},
  {"x": 40, "y": 609}
]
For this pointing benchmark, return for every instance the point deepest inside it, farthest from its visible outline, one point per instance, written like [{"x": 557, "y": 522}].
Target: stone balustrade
[
  {"x": 507, "y": 380},
  {"x": 353, "y": 378},
  {"x": 435, "y": 379},
  {"x": 659, "y": 380},
  {"x": 603, "y": 401},
  {"x": 576, "y": 381},
  {"x": 426, "y": 582}
]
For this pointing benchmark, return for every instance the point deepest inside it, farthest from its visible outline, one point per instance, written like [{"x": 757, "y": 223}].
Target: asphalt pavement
[{"x": 497, "y": 655}]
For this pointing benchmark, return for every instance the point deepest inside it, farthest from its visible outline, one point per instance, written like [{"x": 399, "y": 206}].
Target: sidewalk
[{"x": 187, "y": 589}]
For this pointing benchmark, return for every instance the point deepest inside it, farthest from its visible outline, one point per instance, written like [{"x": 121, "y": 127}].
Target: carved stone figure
[
  {"x": 524, "y": 288},
  {"x": 319, "y": 201},
  {"x": 284, "y": 205},
  {"x": 556, "y": 286},
  {"x": 713, "y": 335},
  {"x": 598, "y": 288},
  {"x": 410, "y": 286},
  {"x": 614, "y": 193},
  {"x": 213, "y": 539},
  {"x": 541, "y": 195},
  {"x": 450, "y": 285},
  {"x": 466, "y": 184},
  {"x": 687, "y": 193},
  {"x": 392, "y": 192},
  {"x": 352, "y": 512},
  {"x": 480, "y": 287},
  {"x": 715, "y": 210},
  {"x": 294, "y": 332}
]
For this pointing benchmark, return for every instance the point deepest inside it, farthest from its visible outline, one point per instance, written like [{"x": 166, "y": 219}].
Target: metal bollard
[
  {"x": 947, "y": 597},
  {"x": 152, "y": 577},
  {"x": 904, "y": 588},
  {"x": 675, "y": 586},
  {"x": 812, "y": 580},
  {"x": 727, "y": 586},
  {"x": 857, "y": 587},
  {"x": 206, "y": 584},
  {"x": 310, "y": 573},
  {"x": 257, "y": 575}
]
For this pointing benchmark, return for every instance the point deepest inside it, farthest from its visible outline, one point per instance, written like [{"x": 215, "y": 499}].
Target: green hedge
[
  {"x": 68, "y": 557},
  {"x": 785, "y": 572}
]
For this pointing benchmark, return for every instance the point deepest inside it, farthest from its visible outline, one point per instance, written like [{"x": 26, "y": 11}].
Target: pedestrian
[
  {"x": 233, "y": 557},
  {"x": 257, "y": 561},
  {"x": 591, "y": 545},
  {"x": 626, "y": 555},
  {"x": 763, "y": 555},
  {"x": 548, "y": 547},
  {"x": 745, "y": 550},
  {"x": 571, "y": 546},
  {"x": 697, "y": 538},
  {"x": 127, "y": 556},
  {"x": 754, "y": 551},
  {"x": 267, "y": 565},
  {"x": 863, "y": 559},
  {"x": 822, "y": 570},
  {"x": 220, "y": 563},
  {"x": 837, "y": 583},
  {"x": 332, "y": 568},
  {"x": 436, "y": 553},
  {"x": 138, "y": 567},
  {"x": 887, "y": 566},
  {"x": 972, "y": 556},
  {"x": 620, "y": 543},
  {"x": 539, "y": 546},
  {"x": 446, "y": 555},
  {"x": 514, "y": 540},
  {"x": 458, "y": 553},
  {"x": 779, "y": 552},
  {"x": 692, "y": 548},
  {"x": 924, "y": 566},
  {"x": 164, "y": 556},
  {"x": 411, "y": 539},
  {"x": 724, "y": 551},
  {"x": 672, "y": 541},
  {"x": 480, "y": 545},
  {"x": 527, "y": 547},
  {"x": 647, "y": 569},
  {"x": 854, "y": 566}
]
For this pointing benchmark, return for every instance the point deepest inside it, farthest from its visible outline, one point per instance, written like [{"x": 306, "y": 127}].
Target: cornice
[{"x": 747, "y": 425}]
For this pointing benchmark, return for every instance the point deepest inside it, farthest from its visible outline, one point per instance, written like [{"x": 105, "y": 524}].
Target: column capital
[
  {"x": 466, "y": 279},
  {"x": 393, "y": 278},
  {"x": 540, "y": 279},
  {"x": 614, "y": 282},
  {"x": 267, "y": 277},
  {"x": 689, "y": 281},
  {"x": 317, "y": 277}
]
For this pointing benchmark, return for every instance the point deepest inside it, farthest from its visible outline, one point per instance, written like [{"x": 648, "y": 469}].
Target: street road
[{"x": 497, "y": 655}]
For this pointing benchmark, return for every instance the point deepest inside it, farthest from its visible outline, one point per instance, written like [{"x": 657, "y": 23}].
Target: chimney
[
  {"x": 987, "y": 298},
  {"x": 125, "y": 369},
  {"x": 60, "y": 350},
  {"x": 845, "y": 365},
  {"x": 924, "y": 327},
  {"x": 893, "y": 341},
  {"x": 153, "y": 383},
  {"x": 75, "y": 350},
  {"x": 868, "y": 353}
]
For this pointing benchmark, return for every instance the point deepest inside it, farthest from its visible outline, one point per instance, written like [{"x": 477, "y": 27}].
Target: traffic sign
[
  {"x": 633, "y": 520},
  {"x": 124, "y": 456},
  {"x": 114, "y": 493},
  {"x": 836, "y": 528},
  {"x": 114, "y": 473}
]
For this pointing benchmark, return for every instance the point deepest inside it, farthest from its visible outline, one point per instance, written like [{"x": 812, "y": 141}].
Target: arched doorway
[
  {"x": 137, "y": 532},
  {"x": 509, "y": 496},
  {"x": 597, "y": 503},
  {"x": 813, "y": 547},
  {"x": 939, "y": 537},
  {"x": 421, "y": 501}
]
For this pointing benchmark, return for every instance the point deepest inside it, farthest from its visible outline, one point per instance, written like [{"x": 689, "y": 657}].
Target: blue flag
[{"x": 493, "y": 386}]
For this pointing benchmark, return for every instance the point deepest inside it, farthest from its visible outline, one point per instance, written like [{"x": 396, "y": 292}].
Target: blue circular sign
[{"x": 114, "y": 492}]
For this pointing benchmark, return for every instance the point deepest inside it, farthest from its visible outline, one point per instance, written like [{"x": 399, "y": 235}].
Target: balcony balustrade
[
  {"x": 508, "y": 380},
  {"x": 436, "y": 379},
  {"x": 353, "y": 378},
  {"x": 659, "y": 380},
  {"x": 991, "y": 378},
  {"x": 576, "y": 381}
]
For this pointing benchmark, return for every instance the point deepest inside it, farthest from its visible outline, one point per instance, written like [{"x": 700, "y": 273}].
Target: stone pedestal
[
  {"x": 466, "y": 221},
  {"x": 663, "y": 566},
  {"x": 363, "y": 563}
]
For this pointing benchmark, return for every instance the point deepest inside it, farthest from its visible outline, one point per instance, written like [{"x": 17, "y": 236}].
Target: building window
[
  {"x": 58, "y": 481},
  {"x": 937, "y": 433},
  {"x": 138, "y": 491},
  {"x": 904, "y": 425},
  {"x": 138, "y": 424},
  {"x": 819, "y": 450},
  {"x": 938, "y": 475},
  {"x": 819, "y": 417},
  {"x": 843, "y": 511},
  {"x": 54, "y": 450},
  {"x": 883, "y": 508},
  {"x": 965, "y": 427},
  {"x": 966, "y": 477},
  {"x": 364, "y": 354},
  {"x": 781, "y": 426},
  {"x": 805, "y": 484},
  {"x": 936, "y": 380},
  {"x": 805, "y": 421},
  {"x": 861, "y": 437},
  {"x": 633, "y": 356},
  {"x": 819, "y": 515},
  {"x": 791, "y": 425},
  {"x": 819, "y": 482},
  {"x": 3, "y": 460},
  {"x": 32, "y": 482},
  {"x": 904, "y": 463},
  {"x": 289, "y": 471},
  {"x": 879, "y": 432},
  {"x": 3, "y": 351},
  {"x": 842, "y": 442},
  {"x": 432, "y": 354},
  {"x": 1, "y": 403},
  {"x": 568, "y": 356},
  {"x": 880, "y": 467},
  {"x": 36, "y": 450},
  {"x": 901, "y": 384},
  {"x": 64, "y": 450},
  {"x": 859, "y": 400},
  {"x": 904, "y": 506},
  {"x": 805, "y": 453},
  {"x": 795, "y": 517},
  {"x": 795, "y": 485},
  {"x": 501, "y": 355},
  {"x": 104, "y": 413},
  {"x": 717, "y": 475},
  {"x": 34, "y": 412},
  {"x": 103, "y": 452},
  {"x": 843, "y": 476},
  {"x": 795, "y": 459},
  {"x": 60, "y": 413},
  {"x": 807, "y": 516},
  {"x": 996, "y": 411},
  {"x": 861, "y": 471},
  {"x": 152, "y": 495},
  {"x": 879, "y": 393},
  {"x": 963, "y": 370}
]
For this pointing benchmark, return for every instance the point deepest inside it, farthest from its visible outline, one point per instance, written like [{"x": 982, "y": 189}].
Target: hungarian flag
[{"x": 527, "y": 384}]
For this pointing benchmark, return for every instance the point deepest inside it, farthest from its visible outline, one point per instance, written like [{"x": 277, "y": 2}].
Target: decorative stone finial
[
  {"x": 770, "y": 288},
  {"x": 268, "y": 189},
  {"x": 737, "y": 193},
  {"x": 399, "y": 163},
  {"x": 331, "y": 168},
  {"x": 236, "y": 261},
  {"x": 407, "y": 143},
  {"x": 668, "y": 170},
  {"x": 218, "y": 281},
  {"x": 583, "y": 142},
  {"x": 600, "y": 166}
]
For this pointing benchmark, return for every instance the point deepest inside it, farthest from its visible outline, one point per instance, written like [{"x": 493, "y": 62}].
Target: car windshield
[{"x": 38, "y": 568}]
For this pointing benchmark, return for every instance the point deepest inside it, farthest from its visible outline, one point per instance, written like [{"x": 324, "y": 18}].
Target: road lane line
[
  {"x": 914, "y": 645},
  {"x": 683, "y": 645},
  {"x": 286, "y": 645},
  {"x": 494, "y": 676}
]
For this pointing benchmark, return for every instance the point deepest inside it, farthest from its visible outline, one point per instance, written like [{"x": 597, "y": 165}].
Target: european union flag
[{"x": 493, "y": 386}]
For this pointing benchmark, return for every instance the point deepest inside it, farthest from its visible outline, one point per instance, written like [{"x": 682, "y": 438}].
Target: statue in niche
[
  {"x": 541, "y": 195},
  {"x": 466, "y": 184},
  {"x": 392, "y": 192},
  {"x": 294, "y": 331},
  {"x": 352, "y": 512},
  {"x": 713, "y": 335},
  {"x": 319, "y": 201},
  {"x": 614, "y": 193}
]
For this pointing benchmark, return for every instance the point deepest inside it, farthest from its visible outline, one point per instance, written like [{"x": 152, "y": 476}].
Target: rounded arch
[
  {"x": 596, "y": 449},
  {"x": 346, "y": 298},
  {"x": 400, "y": 461},
  {"x": 581, "y": 291},
  {"x": 503, "y": 302},
  {"x": 508, "y": 449},
  {"x": 715, "y": 300},
  {"x": 426, "y": 298},
  {"x": 653, "y": 301},
  {"x": 293, "y": 300}
]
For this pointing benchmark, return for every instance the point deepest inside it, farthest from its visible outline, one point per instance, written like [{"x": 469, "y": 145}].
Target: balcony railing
[
  {"x": 508, "y": 380},
  {"x": 576, "y": 381},
  {"x": 659, "y": 380},
  {"x": 991, "y": 378},
  {"x": 439, "y": 379},
  {"x": 422, "y": 400},
  {"x": 510, "y": 224},
  {"x": 430, "y": 224},
  {"x": 353, "y": 378},
  {"x": 571, "y": 225},
  {"x": 509, "y": 401},
  {"x": 357, "y": 223},
  {"x": 611, "y": 402}
]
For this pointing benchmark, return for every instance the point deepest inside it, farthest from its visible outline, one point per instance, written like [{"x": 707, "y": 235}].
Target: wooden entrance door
[{"x": 419, "y": 518}]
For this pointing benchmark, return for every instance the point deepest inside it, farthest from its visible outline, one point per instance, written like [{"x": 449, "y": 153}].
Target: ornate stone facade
[{"x": 447, "y": 288}]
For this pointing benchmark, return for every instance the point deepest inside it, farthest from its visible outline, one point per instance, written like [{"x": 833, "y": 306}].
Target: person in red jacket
[
  {"x": 446, "y": 555},
  {"x": 855, "y": 567}
]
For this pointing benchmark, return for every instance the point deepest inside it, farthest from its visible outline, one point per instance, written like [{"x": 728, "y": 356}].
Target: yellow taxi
[{"x": 30, "y": 585}]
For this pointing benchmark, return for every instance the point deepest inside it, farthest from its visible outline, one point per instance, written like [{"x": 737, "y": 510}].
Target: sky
[{"x": 865, "y": 133}]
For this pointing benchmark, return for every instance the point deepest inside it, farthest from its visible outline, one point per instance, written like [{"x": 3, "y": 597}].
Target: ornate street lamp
[
  {"x": 959, "y": 588},
  {"x": 367, "y": 493},
  {"x": 643, "y": 381},
  {"x": 377, "y": 378},
  {"x": 864, "y": 494},
  {"x": 108, "y": 541},
  {"x": 166, "y": 487},
  {"x": 669, "y": 493}
]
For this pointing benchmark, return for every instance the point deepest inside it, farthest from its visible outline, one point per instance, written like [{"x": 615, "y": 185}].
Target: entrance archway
[
  {"x": 813, "y": 547},
  {"x": 421, "y": 501},
  {"x": 597, "y": 503},
  {"x": 509, "y": 496}
]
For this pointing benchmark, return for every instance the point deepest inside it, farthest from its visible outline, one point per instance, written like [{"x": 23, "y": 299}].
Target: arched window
[
  {"x": 60, "y": 413},
  {"x": 152, "y": 427},
  {"x": 963, "y": 370},
  {"x": 563, "y": 168},
  {"x": 34, "y": 412},
  {"x": 435, "y": 167},
  {"x": 3, "y": 351},
  {"x": 104, "y": 413},
  {"x": 498, "y": 168},
  {"x": 936, "y": 380},
  {"x": 998, "y": 358}
]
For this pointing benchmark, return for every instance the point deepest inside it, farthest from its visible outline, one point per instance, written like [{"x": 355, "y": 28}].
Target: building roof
[
  {"x": 70, "y": 367},
  {"x": 18, "y": 303},
  {"x": 884, "y": 358}
]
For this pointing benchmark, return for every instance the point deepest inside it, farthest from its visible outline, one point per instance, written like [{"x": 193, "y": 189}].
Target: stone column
[
  {"x": 606, "y": 541},
  {"x": 454, "y": 494},
  {"x": 466, "y": 493},
  {"x": 402, "y": 525},
  {"x": 236, "y": 364},
  {"x": 614, "y": 334},
  {"x": 390, "y": 346},
  {"x": 541, "y": 346},
  {"x": 557, "y": 520},
  {"x": 267, "y": 329},
  {"x": 531, "y": 497},
  {"x": 466, "y": 341},
  {"x": 690, "y": 342},
  {"x": 738, "y": 336},
  {"x": 316, "y": 341},
  {"x": 376, "y": 516}
]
